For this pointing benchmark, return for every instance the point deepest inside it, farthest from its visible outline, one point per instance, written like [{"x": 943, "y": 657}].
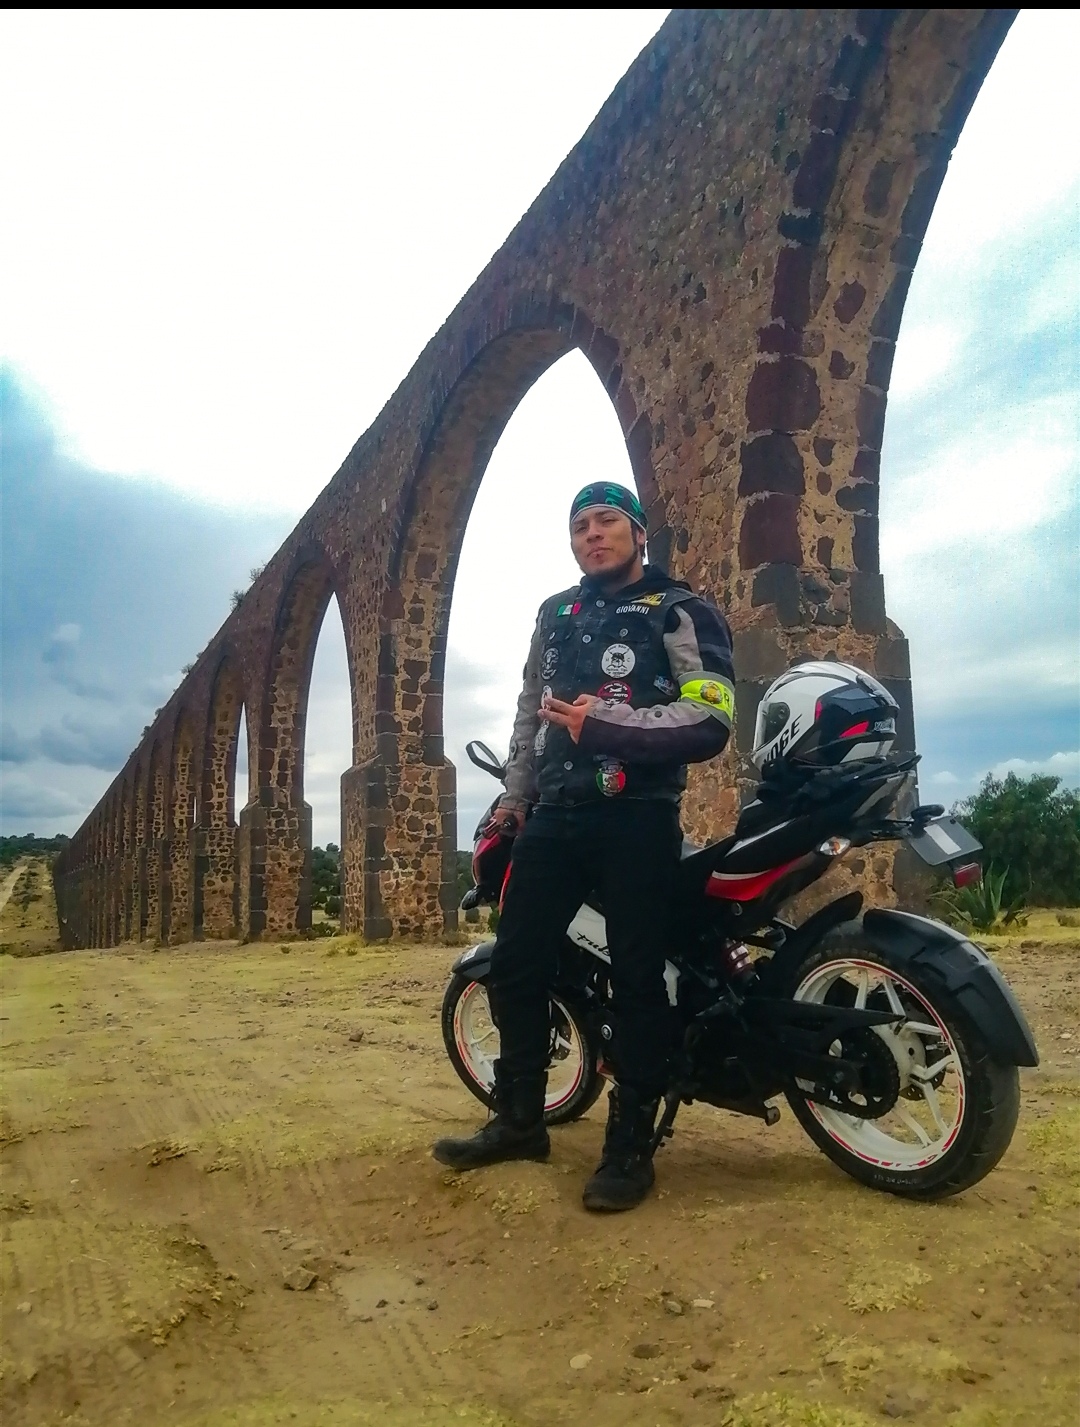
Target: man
[{"x": 628, "y": 679}]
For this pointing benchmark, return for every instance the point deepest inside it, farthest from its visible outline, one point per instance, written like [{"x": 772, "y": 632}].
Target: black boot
[
  {"x": 626, "y": 1173},
  {"x": 516, "y": 1131}
]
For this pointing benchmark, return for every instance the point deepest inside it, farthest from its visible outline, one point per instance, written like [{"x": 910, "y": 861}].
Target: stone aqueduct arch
[{"x": 730, "y": 245}]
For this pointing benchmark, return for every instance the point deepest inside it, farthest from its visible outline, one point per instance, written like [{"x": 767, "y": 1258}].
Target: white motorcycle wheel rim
[
  {"x": 477, "y": 1039},
  {"x": 923, "y": 1125}
]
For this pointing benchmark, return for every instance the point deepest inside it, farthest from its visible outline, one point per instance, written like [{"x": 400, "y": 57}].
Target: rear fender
[
  {"x": 777, "y": 976},
  {"x": 475, "y": 963},
  {"x": 964, "y": 972}
]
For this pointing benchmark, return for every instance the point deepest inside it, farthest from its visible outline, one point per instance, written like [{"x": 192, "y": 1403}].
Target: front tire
[
  {"x": 471, "y": 1038},
  {"x": 957, "y": 1107}
]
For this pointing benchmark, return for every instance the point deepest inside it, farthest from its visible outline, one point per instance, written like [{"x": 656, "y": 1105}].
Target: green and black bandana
[{"x": 605, "y": 493}]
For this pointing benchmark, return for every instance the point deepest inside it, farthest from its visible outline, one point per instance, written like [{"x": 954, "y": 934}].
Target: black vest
[{"x": 611, "y": 646}]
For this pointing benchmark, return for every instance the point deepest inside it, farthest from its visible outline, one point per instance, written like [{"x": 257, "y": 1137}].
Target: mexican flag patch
[{"x": 568, "y": 609}]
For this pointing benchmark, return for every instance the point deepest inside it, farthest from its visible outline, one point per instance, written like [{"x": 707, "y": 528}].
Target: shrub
[
  {"x": 1031, "y": 826},
  {"x": 981, "y": 906}
]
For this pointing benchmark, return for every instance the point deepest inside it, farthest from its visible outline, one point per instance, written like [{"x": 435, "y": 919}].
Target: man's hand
[
  {"x": 568, "y": 716},
  {"x": 506, "y": 822}
]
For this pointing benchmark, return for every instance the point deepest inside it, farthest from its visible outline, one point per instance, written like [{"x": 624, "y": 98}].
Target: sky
[{"x": 225, "y": 239}]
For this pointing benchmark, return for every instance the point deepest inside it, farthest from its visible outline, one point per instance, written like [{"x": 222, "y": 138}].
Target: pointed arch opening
[
  {"x": 515, "y": 552},
  {"x": 327, "y": 752},
  {"x": 275, "y": 827},
  {"x": 404, "y": 799}
]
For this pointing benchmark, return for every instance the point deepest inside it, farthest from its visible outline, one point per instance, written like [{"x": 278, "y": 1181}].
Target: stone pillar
[
  {"x": 162, "y": 860},
  {"x": 181, "y": 925},
  {"x": 399, "y": 827},
  {"x": 274, "y": 855},
  {"x": 216, "y": 912}
]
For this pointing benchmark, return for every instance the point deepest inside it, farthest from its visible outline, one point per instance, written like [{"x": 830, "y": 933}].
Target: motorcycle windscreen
[{"x": 943, "y": 841}]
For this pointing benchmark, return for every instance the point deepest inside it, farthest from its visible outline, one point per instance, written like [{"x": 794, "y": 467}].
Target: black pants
[{"x": 628, "y": 853}]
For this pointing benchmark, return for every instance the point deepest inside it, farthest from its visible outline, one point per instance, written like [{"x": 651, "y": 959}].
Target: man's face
[{"x": 604, "y": 541}]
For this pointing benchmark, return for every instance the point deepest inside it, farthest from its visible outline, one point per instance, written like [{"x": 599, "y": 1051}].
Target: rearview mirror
[{"x": 480, "y": 754}]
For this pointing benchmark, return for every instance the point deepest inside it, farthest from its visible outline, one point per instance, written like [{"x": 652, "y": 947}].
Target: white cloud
[
  {"x": 233, "y": 232},
  {"x": 1013, "y": 161},
  {"x": 1065, "y": 766},
  {"x": 925, "y": 356},
  {"x": 1014, "y": 471},
  {"x": 944, "y": 779}
]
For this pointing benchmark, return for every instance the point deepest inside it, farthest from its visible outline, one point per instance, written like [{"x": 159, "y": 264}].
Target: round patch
[
  {"x": 549, "y": 663},
  {"x": 712, "y": 693},
  {"x": 617, "y": 660},
  {"x": 614, "y": 693}
]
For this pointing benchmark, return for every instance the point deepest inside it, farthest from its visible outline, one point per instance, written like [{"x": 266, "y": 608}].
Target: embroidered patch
[
  {"x": 666, "y": 686},
  {"x": 712, "y": 692},
  {"x": 652, "y": 600},
  {"x": 549, "y": 663},
  {"x": 610, "y": 778},
  {"x": 617, "y": 660},
  {"x": 614, "y": 693},
  {"x": 638, "y": 607},
  {"x": 568, "y": 609}
]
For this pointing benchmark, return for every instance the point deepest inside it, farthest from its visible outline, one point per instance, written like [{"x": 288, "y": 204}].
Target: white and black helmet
[{"x": 823, "y": 713}]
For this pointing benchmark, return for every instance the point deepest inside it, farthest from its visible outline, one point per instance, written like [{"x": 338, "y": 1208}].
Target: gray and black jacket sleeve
[
  {"x": 521, "y": 790},
  {"x": 697, "y": 725}
]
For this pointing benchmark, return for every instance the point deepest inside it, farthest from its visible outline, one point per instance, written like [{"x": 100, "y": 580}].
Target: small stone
[
  {"x": 432, "y": 1305},
  {"x": 897, "y": 1407},
  {"x": 299, "y": 1278},
  {"x": 933, "y": 1337},
  {"x": 418, "y": 1279},
  {"x": 382, "y": 1303},
  {"x": 580, "y": 1360},
  {"x": 702, "y": 1364},
  {"x": 366, "y": 1318},
  {"x": 966, "y": 1375},
  {"x": 672, "y": 1305},
  {"x": 645, "y": 1350},
  {"x": 23, "y": 1307},
  {"x": 356, "y": 1037},
  {"x": 703, "y": 1303}
]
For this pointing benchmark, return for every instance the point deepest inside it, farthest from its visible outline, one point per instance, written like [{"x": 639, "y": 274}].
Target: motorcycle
[{"x": 894, "y": 1039}]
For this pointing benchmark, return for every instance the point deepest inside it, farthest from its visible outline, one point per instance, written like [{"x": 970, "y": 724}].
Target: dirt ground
[
  {"x": 28, "y": 909},
  {"x": 187, "y": 1133}
]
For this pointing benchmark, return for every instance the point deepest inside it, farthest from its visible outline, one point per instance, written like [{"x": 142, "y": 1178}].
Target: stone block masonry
[{"x": 730, "y": 245}]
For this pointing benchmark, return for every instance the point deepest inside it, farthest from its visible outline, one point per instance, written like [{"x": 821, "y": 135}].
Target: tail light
[
  {"x": 966, "y": 875},
  {"x": 857, "y": 729}
]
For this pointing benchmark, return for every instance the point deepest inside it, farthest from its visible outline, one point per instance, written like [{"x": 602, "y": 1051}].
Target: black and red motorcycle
[{"x": 894, "y": 1039}]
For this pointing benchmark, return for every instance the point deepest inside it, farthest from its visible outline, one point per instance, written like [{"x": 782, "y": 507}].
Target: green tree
[
  {"x": 1032, "y": 827},
  {"x": 326, "y": 878},
  {"x": 30, "y": 845},
  {"x": 464, "y": 873}
]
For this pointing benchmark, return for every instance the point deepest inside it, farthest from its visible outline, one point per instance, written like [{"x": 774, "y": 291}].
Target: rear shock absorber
[{"x": 737, "y": 964}]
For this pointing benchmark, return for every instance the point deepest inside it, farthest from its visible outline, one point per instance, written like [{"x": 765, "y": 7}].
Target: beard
[{"x": 619, "y": 573}]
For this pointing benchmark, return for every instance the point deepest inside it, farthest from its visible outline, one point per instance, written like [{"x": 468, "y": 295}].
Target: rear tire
[
  {"x": 472, "y": 1043},
  {"x": 968, "y": 1127}
]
